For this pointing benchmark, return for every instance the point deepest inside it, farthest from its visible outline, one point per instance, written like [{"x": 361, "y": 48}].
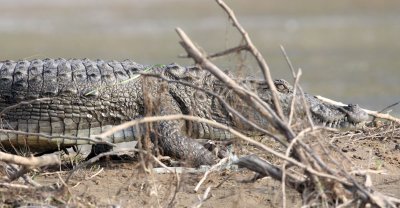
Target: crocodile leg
[{"x": 173, "y": 143}]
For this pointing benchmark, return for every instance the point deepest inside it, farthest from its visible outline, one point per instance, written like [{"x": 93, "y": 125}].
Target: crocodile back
[
  {"x": 85, "y": 97},
  {"x": 27, "y": 80}
]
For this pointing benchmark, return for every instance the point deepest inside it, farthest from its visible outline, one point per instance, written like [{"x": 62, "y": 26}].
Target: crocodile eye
[
  {"x": 175, "y": 71},
  {"x": 282, "y": 88}
]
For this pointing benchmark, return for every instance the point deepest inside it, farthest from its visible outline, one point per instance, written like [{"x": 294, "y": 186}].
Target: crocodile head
[
  {"x": 196, "y": 102},
  {"x": 322, "y": 113}
]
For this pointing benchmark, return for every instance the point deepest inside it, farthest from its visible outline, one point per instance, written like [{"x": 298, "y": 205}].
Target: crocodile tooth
[
  {"x": 334, "y": 124},
  {"x": 339, "y": 123},
  {"x": 343, "y": 125},
  {"x": 327, "y": 124}
]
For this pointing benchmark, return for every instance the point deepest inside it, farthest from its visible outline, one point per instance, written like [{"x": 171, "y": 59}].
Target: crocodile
[{"x": 87, "y": 97}]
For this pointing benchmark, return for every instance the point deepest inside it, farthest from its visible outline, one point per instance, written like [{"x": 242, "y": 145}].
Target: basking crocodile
[{"x": 88, "y": 97}]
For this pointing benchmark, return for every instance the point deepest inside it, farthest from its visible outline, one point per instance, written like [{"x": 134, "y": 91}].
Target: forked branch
[{"x": 248, "y": 45}]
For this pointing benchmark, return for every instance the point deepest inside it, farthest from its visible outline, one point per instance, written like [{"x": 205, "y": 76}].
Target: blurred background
[{"x": 348, "y": 50}]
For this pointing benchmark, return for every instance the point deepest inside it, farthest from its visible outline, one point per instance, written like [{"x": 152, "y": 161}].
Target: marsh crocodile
[{"x": 87, "y": 97}]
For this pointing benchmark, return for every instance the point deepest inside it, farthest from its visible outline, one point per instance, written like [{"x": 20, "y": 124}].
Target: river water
[{"x": 347, "y": 50}]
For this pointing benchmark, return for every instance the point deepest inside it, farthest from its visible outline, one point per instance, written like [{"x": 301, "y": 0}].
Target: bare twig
[
  {"x": 11, "y": 185},
  {"x": 389, "y": 106},
  {"x": 288, "y": 61},
  {"x": 254, "y": 51},
  {"x": 283, "y": 184},
  {"x": 308, "y": 157},
  {"x": 223, "y": 102},
  {"x": 292, "y": 107},
  {"x": 370, "y": 112},
  {"x": 249, "y": 97},
  {"x": 285, "y": 163},
  {"x": 163, "y": 170},
  {"x": 14, "y": 173},
  {"x": 306, "y": 107},
  {"x": 97, "y": 157},
  {"x": 30, "y": 162},
  {"x": 264, "y": 168},
  {"x": 228, "y": 51},
  {"x": 203, "y": 198},
  {"x": 213, "y": 168},
  {"x": 94, "y": 175},
  {"x": 265, "y": 110},
  {"x": 224, "y": 127},
  {"x": 177, "y": 187},
  {"x": 94, "y": 159},
  {"x": 298, "y": 86}
]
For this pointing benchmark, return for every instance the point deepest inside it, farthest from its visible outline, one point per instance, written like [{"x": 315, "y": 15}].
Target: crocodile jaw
[{"x": 350, "y": 116}]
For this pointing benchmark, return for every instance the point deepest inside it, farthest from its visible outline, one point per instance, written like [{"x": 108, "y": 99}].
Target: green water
[{"x": 348, "y": 50}]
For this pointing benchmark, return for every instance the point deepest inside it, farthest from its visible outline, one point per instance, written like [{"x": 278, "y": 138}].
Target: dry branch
[
  {"x": 292, "y": 107},
  {"x": 315, "y": 168},
  {"x": 224, "y": 103},
  {"x": 14, "y": 173},
  {"x": 16, "y": 186},
  {"x": 117, "y": 153},
  {"x": 257, "y": 55},
  {"x": 94, "y": 159},
  {"x": 228, "y": 51},
  {"x": 30, "y": 162},
  {"x": 297, "y": 86},
  {"x": 226, "y": 128},
  {"x": 258, "y": 165},
  {"x": 247, "y": 96},
  {"x": 370, "y": 112},
  {"x": 213, "y": 168}
]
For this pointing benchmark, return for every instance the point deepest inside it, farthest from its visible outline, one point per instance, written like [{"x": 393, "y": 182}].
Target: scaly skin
[{"x": 89, "y": 97}]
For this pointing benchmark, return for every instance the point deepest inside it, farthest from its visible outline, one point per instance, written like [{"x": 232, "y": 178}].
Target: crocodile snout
[{"x": 355, "y": 114}]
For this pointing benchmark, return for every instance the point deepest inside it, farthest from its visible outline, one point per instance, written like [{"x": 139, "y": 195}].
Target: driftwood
[{"x": 264, "y": 168}]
